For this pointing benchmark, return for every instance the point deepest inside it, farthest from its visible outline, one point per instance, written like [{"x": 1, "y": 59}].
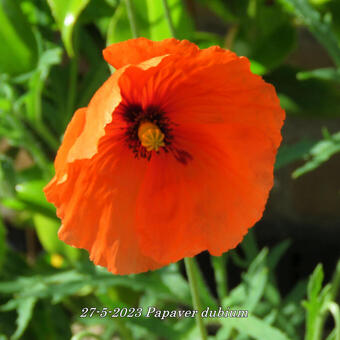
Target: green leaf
[
  {"x": 71, "y": 282},
  {"x": 257, "y": 263},
  {"x": 159, "y": 28},
  {"x": 335, "y": 283},
  {"x": 335, "y": 311},
  {"x": 33, "y": 98},
  {"x": 292, "y": 330},
  {"x": 319, "y": 2},
  {"x": 224, "y": 332},
  {"x": 316, "y": 304},
  {"x": 25, "y": 310},
  {"x": 207, "y": 39},
  {"x": 272, "y": 294},
  {"x": 237, "y": 259},
  {"x": 47, "y": 232},
  {"x": 312, "y": 97},
  {"x": 66, "y": 13},
  {"x": 85, "y": 335},
  {"x": 256, "y": 288},
  {"x": 220, "y": 9},
  {"x": 32, "y": 195},
  {"x": 277, "y": 45},
  {"x": 119, "y": 26},
  {"x": 257, "y": 68},
  {"x": 50, "y": 322},
  {"x": 322, "y": 73},
  {"x": 249, "y": 293},
  {"x": 249, "y": 246},
  {"x": 276, "y": 253},
  {"x": 157, "y": 327},
  {"x": 97, "y": 72},
  {"x": 315, "y": 283},
  {"x": 236, "y": 297},
  {"x": 175, "y": 282},
  {"x": 258, "y": 32},
  {"x": 47, "y": 229},
  {"x": 151, "y": 21},
  {"x": 14, "y": 264},
  {"x": 256, "y": 280},
  {"x": 288, "y": 154},
  {"x": 98, "y": 9},
  {"x": 332, "y": 335},
  {"x": 320, "y": 28},
  {"x": 296, "y": 294},
  {"x": 319, "y": 154},
  {"x": 333, "y": 7},
  {"x": 18, "y": 46},
  {"x": 254, "y": 328},
  {"x": 12, "y": 127},
  {"x": 288, "y": 103}
]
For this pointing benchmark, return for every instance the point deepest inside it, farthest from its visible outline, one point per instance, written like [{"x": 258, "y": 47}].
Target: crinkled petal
[
  {"x": 74, "y": 129},
  {"x": 209, "y": 203},
  {"x": 211, "y": 186},
  {"x": 228, "y": 121},
  {"x": 135, "y": 51},
  {"x": 228, "y": 94},
  {"x": 95, "y": 208},
  {"x": 100, "y": 112}
]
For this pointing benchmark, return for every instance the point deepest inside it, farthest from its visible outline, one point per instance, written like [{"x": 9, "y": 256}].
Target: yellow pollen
[{"x": 151, "y": 136}]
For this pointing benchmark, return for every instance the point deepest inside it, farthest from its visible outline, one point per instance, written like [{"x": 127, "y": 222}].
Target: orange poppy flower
[{"x": 173, "y": 155}]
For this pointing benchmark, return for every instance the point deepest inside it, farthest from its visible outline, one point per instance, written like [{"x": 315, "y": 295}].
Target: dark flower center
[{"x": 160, "y": 133}]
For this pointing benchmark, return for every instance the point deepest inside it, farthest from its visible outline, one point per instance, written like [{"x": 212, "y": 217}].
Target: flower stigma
[{"x": 150, "y": 136}]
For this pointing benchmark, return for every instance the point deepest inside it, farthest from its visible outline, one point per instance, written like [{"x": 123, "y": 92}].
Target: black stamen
[{"x": 134, "y": 115}]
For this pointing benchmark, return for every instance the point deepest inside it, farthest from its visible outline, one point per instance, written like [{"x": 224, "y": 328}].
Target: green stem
[
  {"x": 314, "y": 326},
  {"x": 219, "y": 264},
  {"x": 315, "y": 323},
  {"x": 189, "y": 266},
  {"x": 168, "y": 18},
  {"x": 132, "y": 18}
]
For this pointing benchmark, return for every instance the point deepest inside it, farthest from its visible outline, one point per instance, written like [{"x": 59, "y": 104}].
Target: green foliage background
[{"x": 51, "y": 64}]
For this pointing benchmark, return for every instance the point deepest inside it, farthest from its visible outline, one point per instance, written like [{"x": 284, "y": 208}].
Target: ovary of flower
[{"x": 150, "y": 136}]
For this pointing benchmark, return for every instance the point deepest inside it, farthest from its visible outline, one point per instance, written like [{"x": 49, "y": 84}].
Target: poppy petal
[
  {"x": 210, "y": 203},
  {"x": 74, "y": 129},
  {"x": 135, "y": 51},
  {"x": 100, "y": 113},
  {"x": 203, "y": 191},
  {"x": 101, "y": 185},
  {"x": 228, "y": 94},
  {"x": 228, "y": 120}
]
